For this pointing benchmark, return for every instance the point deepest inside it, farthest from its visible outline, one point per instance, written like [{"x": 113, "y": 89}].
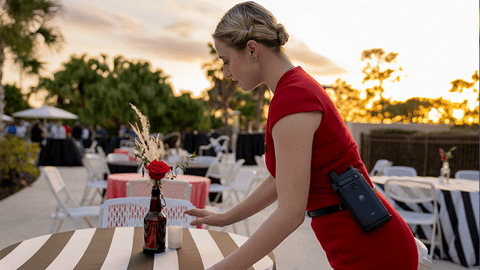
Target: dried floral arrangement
[{"x": 149, "y": 149}]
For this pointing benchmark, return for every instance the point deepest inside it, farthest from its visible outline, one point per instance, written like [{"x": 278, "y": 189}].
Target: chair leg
[
  {"x": 88, "y": 221},
  {"x": 60, "y": 222},
  {"x": 85, "y": 194},
  {"x": 432, "y": 242},
  {"x": 52, "y": 227}
]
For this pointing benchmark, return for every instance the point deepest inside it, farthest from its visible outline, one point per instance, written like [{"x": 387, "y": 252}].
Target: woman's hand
[{"x": 207, "y": 217}]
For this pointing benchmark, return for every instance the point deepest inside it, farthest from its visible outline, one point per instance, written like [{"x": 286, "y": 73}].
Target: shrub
[{"x": 17, "y": 163}]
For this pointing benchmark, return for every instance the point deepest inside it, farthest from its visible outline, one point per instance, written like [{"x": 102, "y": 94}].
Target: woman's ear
[{"x": 252, "y": 48}]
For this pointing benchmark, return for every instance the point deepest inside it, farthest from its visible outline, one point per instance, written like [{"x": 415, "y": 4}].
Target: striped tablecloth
[
  {"x": 122, "y": 248},
  {"x": 458, "y": 201}
]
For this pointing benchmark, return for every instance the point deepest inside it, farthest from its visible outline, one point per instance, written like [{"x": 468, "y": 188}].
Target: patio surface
[{"x": 26, "y": 214}]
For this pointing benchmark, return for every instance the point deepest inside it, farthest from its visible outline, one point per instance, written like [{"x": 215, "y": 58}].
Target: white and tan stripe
[
  {"x": 166, "y": 260},
  {"x": 73, "y": 250},
  {"x": 264, "y": 263},
  {"x": 23, "y": 252},
  {"x": 120, "y": 250},
  {"x": 208, "y": 249}
]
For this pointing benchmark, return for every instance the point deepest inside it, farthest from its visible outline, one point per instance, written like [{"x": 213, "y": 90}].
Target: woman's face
[{"x": 237, "y": 65}]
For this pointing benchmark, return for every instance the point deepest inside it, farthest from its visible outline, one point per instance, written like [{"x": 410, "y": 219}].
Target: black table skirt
[
  {"x": 60, "y": 152},
  {"x": 192, "y": 143},
  {"x": 249, "y": 146},
  {"x": 122, "y": 168}
]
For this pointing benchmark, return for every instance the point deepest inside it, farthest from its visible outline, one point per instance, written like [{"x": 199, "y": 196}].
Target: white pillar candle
[{"x": 175, "y": 236}]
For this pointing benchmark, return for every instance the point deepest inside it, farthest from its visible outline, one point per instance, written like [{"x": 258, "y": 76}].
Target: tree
[
  {"x": 375, "y": 74},
  {"x": 100, "y": 91},
  {"x": 24, "y": 27},
  {"x": 14, "y": 99}
]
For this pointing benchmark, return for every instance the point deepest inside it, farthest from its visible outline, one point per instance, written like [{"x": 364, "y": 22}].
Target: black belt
[
  {"x": 330, "y": 209},
  {"x": 327, "y": 210}
]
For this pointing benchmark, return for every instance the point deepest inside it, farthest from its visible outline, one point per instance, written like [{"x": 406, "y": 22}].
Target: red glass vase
[{"x": 155, "y": 225}]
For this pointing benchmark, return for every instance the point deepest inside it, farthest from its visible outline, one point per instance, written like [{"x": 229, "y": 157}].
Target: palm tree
[{"x": 24, "y": 26}]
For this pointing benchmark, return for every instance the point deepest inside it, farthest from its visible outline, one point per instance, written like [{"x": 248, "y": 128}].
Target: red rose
[{"x": 157, "y": 169}]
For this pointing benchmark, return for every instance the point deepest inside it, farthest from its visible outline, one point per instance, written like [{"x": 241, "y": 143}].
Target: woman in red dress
[{"x": 305, "y": 139}]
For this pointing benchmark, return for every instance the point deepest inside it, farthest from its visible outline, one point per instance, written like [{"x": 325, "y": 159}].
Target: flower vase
[
  {"x": 155, "y": 225},
  {"x": 445, "y": 172}
]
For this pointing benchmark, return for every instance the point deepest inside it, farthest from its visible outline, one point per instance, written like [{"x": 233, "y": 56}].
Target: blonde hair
[{"x": 250, "y": 21}]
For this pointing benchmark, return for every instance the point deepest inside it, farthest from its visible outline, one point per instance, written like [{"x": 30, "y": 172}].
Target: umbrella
[
  {"x": 7, "y": 118},
  {"x": 46, "y": 112}
]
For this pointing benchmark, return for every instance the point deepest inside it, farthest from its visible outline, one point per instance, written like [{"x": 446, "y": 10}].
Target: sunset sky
[{"x": 437, "y": 41}]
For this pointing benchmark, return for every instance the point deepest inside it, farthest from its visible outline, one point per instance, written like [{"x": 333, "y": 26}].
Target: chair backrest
[
  {"x": 410, "y": 191},
  {"x": 57, "y": 186},
  {"x": 176, "y": 189},
  {"x": 400, "y": 171},
  {"x": 178, "y": 142},
  {"x": 424, "y": 263},
  {"x": 260, "y": 160},
  {"x": 130, "y": 212},
  {"x": 117, "y": 157},
  {"x": 243, "y": 181},
  {"x": 101, "y": 153},
  {"x": 96, "y": 166},
  {"x": 467, "y": 174},
  {"x": 380, "y": 166}
]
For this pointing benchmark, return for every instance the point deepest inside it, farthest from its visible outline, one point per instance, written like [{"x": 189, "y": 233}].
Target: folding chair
[
  {"x": 411, "y": 193},
  {"x": 67, "y": 208},
  {"x": 467, "y": 174},
  {"x": 97, "y": 169},
  {"x": 130, "y": 212},
  {"x": 175, "y": 189},
  {"x": 242, "y": 184},
  {"x": 424, "y": 263},
  {"x": 91, "y": 149},
  {"x": 219, "y": 144},
  {"x": 380, "y": 166},
  {"x": 400, "y": 171},
  {"x": 226, "y": 173}
]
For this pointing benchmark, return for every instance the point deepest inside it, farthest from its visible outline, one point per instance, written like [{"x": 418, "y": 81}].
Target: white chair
[
  {"x": 412, "y": 193},
  {"x": 424, "y": 263},
  {"x": 130, "y": 212},
  {"x": 467, "y": 174},
  {"x": 175, "y": 189},
  {"x": 226, "y": 173},
  {"x": 400, "y": 171},
  {"x": 67, "y": 208},
  {"x": 219, "y": 144},
  {"x": 92, "y": 147},
  {"x": 380, "y": 166},
  {"x": 101, "y": 153},
  {"x": 177, "y": 142},
  {"x": 97, "y": 169},
  {"x": 117, "y": 157},
  {"x": 242, "y": 184}
]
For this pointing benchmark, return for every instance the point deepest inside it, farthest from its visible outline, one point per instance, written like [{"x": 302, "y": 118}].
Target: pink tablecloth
[
  {"x": 131, "y": 155},
  {"x": 117, "y": 186}
]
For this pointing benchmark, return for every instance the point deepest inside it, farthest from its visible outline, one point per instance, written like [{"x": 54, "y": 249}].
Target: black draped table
[
  {"x": 250, "y": 145},
  {"x": 459, "y": 210},
  {"x": 123, "y": 166},
  {"x": 192, "y": 142},
  {"x": 122, "y": 248},
  {"x": 60, "y": 152}
]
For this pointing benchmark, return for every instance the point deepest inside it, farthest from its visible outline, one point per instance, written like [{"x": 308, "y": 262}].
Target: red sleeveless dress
[{"x": 391, "y": 246}]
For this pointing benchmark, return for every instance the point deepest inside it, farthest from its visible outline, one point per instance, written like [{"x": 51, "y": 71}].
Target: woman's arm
[
  {"x": 293, "y": 136},
  {"x": 264, "y": 195}
]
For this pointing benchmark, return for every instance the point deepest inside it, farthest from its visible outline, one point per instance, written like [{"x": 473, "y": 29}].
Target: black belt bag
[{"x": 359, "y": 198}]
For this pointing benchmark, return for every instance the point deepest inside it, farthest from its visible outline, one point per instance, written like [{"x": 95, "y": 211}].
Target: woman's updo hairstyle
[{"x": 250, "y": 21}]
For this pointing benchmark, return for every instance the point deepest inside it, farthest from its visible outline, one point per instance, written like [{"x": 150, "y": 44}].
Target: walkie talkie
[{"x": 355, "y": 192}]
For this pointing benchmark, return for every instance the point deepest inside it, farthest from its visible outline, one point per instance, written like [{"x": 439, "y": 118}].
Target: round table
[
  {"x": 117, "y": 186},
  {"x": 459, "y": 203},
  {"x": 60, "y": 152},
  {"x": 122, "y": 248}
]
